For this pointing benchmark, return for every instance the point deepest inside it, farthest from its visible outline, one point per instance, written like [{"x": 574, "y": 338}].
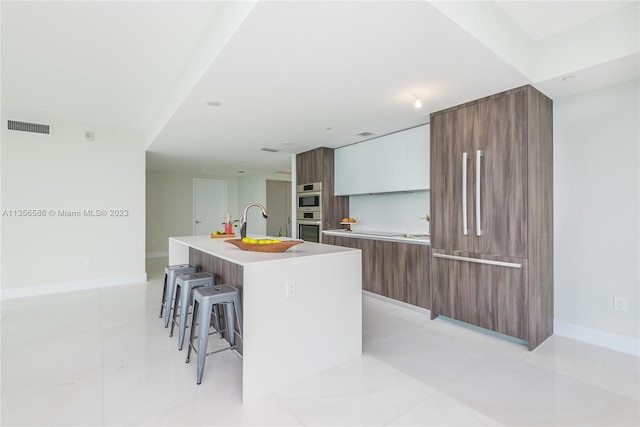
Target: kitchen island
[{"x": 302, "y": 307}]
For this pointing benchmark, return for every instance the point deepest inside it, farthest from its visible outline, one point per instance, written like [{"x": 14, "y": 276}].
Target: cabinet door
[
  {"x": 451, "y": 195},
  {"x": 392, "y": 169},
  {"x": 500, "y": 177},
  {"x": 309, "y": 167},
  {"x": 367, "y": 164},
  {"x": 345, "y": 170},
  {"x": 490, "y": 296},
  {"x": 418, "y": 158},
  {"x": 416, "y": 261}
]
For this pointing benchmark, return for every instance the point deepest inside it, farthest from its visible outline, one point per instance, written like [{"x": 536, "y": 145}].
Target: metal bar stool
[
  {"x": 185, "y": 285},
  {"x": 205, "y": 301},
  {"x": 171, "y": 272}
]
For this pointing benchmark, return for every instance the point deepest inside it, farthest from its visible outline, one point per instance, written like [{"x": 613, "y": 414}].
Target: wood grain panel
[
  {"x": 499, "y": 135},
  {"x": 396, "y": 270},
  {"x": 223, "y": 270},
  {"x": 540, "y": 212},
  {"x": 318, "y": 166},
  {"x": 454, "y": 135},
  {"x": 309, "y": 167},
  {"x": 514, "y": 130},
  {"x": 417, "y": 267}
]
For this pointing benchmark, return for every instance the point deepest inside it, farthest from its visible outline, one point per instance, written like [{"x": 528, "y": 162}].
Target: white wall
[
  {"x": 597, "y": 209},
  {"x": 62, "y": 171},
  {"x": 395, "y": 212},
  {"x": 170, "y": 207}
]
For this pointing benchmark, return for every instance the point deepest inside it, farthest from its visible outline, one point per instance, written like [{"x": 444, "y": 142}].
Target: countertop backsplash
[{"x": 396, "y": 212}]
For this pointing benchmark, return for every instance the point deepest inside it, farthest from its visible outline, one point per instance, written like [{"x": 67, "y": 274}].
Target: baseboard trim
[
  {"x": 79, "y": 285},
  {"x": 161, "y": 254},
  {"x": 610, "y": 340},
  {"x": 403, "y": 304}
]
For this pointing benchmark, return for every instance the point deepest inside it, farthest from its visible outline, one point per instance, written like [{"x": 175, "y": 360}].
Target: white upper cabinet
[
  {"x": 395, "y": 162},
  {"x": 344, "y": 171},
  {"x": 418, "y": 160}
]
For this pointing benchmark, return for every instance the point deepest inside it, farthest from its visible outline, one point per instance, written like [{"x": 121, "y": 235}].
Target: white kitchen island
[{"x": 286, "y": 338}]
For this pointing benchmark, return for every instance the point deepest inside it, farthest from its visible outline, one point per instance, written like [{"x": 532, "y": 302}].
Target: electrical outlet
[
  {"x": 620, "y": 303},
  {"x": 291, "y": 289}
]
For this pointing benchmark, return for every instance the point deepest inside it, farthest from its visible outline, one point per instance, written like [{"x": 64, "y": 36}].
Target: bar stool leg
[
  {"x": 231, "y": 322},
  {"x": 216, "y": 315},
  {"x": 175, "y": 308},
  {"x": 237, "y": 305},
  {"x": 184, "y": 313},
  {"x": 203, "y": 342},
  {"x": 194, "y": 319},
  {"x": 164, "y": 296},
  {"x": 170, "y": 288}
]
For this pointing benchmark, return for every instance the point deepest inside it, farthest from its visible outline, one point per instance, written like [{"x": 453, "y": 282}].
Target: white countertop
[
  {"x": 416, "y": 239},
  {"x": 221, "y": 249}
]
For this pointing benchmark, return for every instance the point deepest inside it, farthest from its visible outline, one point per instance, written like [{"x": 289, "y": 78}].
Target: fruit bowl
[{"x": 267, "y": 247}]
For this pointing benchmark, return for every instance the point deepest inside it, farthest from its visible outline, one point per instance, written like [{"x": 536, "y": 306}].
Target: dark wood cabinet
[
  {"x": 317, "y": 166},
  {"x": 491, "y": 214},
  {"x": 310, "y": 165},
  {"x": 400, "y": 271}
]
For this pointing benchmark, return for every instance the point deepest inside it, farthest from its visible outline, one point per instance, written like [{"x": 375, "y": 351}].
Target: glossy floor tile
[{"x": 103, "y": 357}]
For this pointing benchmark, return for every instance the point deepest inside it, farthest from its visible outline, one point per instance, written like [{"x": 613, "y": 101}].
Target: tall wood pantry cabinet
[
  {"x": 317, "y": 165},
  {"x": 492, "y": 214}
]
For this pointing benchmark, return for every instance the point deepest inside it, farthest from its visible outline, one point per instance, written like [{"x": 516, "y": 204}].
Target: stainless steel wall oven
[{"x": 309, "y": 212}]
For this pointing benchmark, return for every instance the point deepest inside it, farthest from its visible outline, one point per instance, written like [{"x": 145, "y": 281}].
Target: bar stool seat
[
  {"x": 171, "y": 272},
  {"x": 185, "y": 286},
  {"x": 206, "y": 300}
]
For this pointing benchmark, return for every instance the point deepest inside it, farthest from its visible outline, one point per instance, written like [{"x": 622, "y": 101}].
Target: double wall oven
[{"x": 309, "y": 212}]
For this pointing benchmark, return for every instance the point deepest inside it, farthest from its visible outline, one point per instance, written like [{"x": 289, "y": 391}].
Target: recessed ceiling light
[
  {"x": 214, "y": 103},
  {"x": 569, "y": 77},
  {"x": 240, "y": 171},
  {"x": 287, "y": 143},
  {"x": 270, "y": 150},
  {"x": 365, "y": 134}
]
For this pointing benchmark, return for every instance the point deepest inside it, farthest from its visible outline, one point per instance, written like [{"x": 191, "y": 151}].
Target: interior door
[
  {"x": 209, "y": 205},
  {"x": 500, "y": 177},
  {"x": 278, "y": 208}
]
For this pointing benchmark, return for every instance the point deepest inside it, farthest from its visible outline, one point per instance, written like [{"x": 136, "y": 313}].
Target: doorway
[
  {"x": 279, "y": 208},
  {"x": 209, "y": 205}
]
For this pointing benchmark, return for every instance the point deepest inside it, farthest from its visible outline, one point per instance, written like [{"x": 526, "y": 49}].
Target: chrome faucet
[{"x": 243, "y": 222}]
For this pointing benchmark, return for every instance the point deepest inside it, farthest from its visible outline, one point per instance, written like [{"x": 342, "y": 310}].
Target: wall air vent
[
  {"x": 28, "y": 127},
  {"x": 270, "y": 150},
  {"x": 365, "y": 134}
]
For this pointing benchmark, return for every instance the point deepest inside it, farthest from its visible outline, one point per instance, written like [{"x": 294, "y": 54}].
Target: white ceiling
[{"x": 288, "y": 75}]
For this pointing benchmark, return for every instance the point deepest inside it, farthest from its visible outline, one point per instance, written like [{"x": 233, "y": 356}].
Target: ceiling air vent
[
  {"x": 28, "y": 127},
  {"x": 365, "y": 134},
  {"x": 270, "y": 150}
]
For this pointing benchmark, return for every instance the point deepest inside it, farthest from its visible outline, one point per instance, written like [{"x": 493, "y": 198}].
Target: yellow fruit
[
  {"x": 245, "y": 240},
  {"x": 276, "y": 241},
  {"x": 252, "y": 241}
]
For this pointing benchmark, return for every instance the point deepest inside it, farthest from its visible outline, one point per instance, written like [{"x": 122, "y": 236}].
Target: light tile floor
[{"x": 103, "y": 357}]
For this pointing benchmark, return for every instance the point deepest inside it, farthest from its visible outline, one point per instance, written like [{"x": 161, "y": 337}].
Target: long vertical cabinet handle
[
  {"x": 478, "y": 175},
  {"x": 465, "y": 228}
]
